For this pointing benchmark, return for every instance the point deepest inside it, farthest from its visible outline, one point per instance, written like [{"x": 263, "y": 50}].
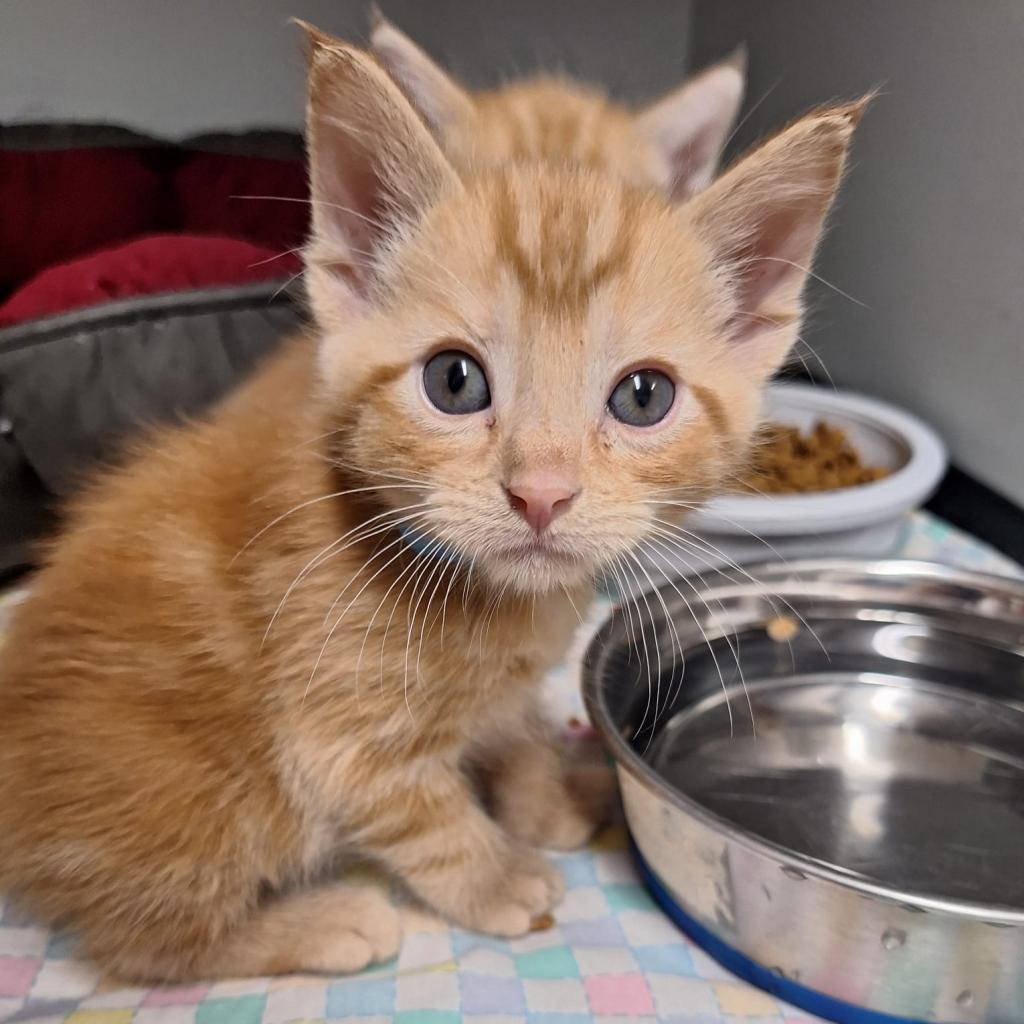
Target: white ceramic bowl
[{"x": 865, "y": 521}]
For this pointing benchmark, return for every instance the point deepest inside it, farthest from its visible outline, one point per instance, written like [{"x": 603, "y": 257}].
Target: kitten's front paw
[
  {"x": 528, "y": 887},
  {"x": 593, "y": 791},
  {"x": 350, "y": 928},
  {"x": 565, "y": 814}
]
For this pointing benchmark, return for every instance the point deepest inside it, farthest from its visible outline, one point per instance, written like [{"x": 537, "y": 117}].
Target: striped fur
[{"x": 673, "y": 144}]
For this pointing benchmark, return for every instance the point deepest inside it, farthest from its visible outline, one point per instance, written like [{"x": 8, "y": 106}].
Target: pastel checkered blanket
[{"x": 610, "y": 957}]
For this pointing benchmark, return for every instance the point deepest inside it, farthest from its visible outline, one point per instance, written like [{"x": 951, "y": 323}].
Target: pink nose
[{"x": 541, "y": 496}]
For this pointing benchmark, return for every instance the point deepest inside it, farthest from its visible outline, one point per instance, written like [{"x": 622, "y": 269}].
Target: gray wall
[
  {"x": 930, "y": 231},
  {"x": 179, "y": 66}
]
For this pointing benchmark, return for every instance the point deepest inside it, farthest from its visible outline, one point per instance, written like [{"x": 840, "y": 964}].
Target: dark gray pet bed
[{"x": 73, "y": 386}]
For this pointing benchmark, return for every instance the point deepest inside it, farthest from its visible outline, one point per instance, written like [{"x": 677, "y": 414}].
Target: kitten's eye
[
  {"x": 642, "y": 398},
  {"x": 456, "y": 384}
]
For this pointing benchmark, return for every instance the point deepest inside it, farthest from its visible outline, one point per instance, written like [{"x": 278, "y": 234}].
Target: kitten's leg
[
  {"x": 540, "y": 800},
  {"x": 442, "y": 844},
  {"x": 332, "y": 930}
]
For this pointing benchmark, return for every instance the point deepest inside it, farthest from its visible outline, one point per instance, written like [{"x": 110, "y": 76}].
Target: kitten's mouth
[
  {"x": 536, "y": 564},
  {"x": 538, "y": 549}
]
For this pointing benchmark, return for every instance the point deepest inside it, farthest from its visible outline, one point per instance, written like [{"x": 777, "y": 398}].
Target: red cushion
[
  {"x": 213, "y": 191},
  {"x": 145, "y": 266},
  {"x": 57, "y": 204}
]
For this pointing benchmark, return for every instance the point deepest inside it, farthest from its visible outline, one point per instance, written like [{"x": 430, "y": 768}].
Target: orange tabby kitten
[
  {"x": 305, "y": 626},
  {"x": 674, "y": 144}
]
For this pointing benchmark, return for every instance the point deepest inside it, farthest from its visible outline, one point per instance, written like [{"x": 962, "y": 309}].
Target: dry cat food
[
  {"x": 789, "y": 462},
  {"x": 782, "y": 629}
]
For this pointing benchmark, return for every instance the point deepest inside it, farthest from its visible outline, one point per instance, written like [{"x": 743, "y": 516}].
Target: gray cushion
[{"x": 73, "y": 386}]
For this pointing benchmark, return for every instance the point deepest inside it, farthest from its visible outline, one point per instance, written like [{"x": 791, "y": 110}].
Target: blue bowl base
[{"x": 818, "y": 1003}]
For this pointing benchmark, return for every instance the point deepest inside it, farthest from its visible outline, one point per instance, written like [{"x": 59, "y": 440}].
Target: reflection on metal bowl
[{"x": 843, "y": 821}]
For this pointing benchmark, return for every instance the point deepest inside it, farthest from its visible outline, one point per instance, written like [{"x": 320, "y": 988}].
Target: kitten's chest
[
  {"x": 507, "y": 649},
  {"x": 362, "y": 730}
]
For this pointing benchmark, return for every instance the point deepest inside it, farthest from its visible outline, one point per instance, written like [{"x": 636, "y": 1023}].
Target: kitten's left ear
[
  {"x": 374, "y": 170},
  {"x": 689, "y": 127},
  {"x": 761, "y": 222},
  {"x": 436, "y": 95}
]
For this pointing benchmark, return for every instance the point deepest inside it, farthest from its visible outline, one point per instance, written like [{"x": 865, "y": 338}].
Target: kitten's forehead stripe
[
  {"x": 516, "y": 135},
  {"x": 558, "y": 275},
  {"x": 559, "y": 132},
  {"x": 553, "y": 121},
  {"x": 506, "y": 239}
]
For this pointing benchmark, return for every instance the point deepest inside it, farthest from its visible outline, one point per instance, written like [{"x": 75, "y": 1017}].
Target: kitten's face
[
  {"x": 522, "y": 318},
  {"x": 528, "y": 363}
]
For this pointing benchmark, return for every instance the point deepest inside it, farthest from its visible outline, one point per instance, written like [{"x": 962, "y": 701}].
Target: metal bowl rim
[{"x": 627, "y": 760}]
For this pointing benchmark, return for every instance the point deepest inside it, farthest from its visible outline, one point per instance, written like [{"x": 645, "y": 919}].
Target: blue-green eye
[
  {"x": 456, "y": 384},
  {"x": 642, "y": 398}
]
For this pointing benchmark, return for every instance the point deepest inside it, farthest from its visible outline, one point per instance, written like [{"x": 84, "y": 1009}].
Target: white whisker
[
  {"x": 643, "y": 639},
  {"x": 333, "y": 549},
  {"x": 298, "y": 508},
  {"x": 710, "y": 647},
  {"x": 676, "y": 643},
  {"x": 733, "y": 647}
]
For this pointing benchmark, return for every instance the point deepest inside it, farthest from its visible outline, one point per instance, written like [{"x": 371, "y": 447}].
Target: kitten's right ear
[
  {"x": 374, "y": 169},
  {"x": 436, "y": 95}
]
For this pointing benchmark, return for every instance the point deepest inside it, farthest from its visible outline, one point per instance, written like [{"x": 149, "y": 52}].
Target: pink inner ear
[
  {"x": 693, "y": 163},
  {"x": 690, "y": 127},
  {"x": 351, "y": 206},
  {"x": 770, "y": 271},
  {"x": 347, "y": 187}
]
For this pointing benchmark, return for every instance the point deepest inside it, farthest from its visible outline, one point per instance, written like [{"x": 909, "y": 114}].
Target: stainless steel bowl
[{"x": 847, "y": 814}]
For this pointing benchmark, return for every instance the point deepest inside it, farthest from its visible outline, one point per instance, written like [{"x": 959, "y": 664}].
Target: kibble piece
[{"x": 782, "y": 629}]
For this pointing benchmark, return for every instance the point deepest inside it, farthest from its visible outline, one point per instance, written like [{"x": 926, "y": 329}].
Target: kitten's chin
[{"x": 534, "y": 569}]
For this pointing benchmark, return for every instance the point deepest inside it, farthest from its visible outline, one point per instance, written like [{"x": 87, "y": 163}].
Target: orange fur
[
  {"x": 233, "y": 666},
  {"x": 674, "y": 144}
]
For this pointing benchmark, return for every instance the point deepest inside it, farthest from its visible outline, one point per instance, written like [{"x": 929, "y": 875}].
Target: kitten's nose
[{"x": 541, "y": 495}]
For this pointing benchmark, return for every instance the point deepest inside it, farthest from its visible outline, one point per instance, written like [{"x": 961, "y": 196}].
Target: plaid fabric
[{"x": 611, "y": 956}]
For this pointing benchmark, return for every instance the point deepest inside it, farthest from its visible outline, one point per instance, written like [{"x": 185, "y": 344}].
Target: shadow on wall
[{"x": 929, "y": 233}]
